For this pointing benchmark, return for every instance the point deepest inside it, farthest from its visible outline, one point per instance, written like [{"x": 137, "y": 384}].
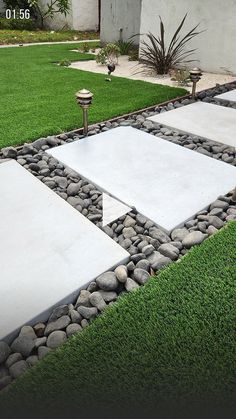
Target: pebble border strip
[{"x": 150, "y": 248}]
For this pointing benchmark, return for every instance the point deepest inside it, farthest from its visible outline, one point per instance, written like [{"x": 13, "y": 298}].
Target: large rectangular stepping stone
[
  {"x": 229, "y": 96},
  {"x": 48, "y": 250},
  {"x": 216, "y": 123},
  {"x": 165, "y": 182}
]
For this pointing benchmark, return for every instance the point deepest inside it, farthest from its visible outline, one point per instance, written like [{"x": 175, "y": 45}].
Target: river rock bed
[{"x": 150, "y": 248}]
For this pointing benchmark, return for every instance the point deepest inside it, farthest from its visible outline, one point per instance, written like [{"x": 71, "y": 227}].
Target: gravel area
[
  {"x": 135, "y": 71},
  {"x": 150, "y": 248}
]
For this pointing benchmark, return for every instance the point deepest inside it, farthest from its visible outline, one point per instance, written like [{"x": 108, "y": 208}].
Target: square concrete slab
[
  {"x": 165, "y": 182},
  {"x": 48, "y": 250},
  {"x": 213, "y": 122},
  {"x": 229, "y": 96}
]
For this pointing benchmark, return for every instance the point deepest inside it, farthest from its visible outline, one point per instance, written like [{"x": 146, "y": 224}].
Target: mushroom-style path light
[
  {"x": 84, "y": 99},
  {"x": 195, "y": 75}
]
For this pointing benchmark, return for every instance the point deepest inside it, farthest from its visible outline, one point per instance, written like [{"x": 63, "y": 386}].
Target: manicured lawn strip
[
  {"x": 23, "y": 36},
  {"x": 38, "y": 97},
  {"x": 173, "y": 339}
]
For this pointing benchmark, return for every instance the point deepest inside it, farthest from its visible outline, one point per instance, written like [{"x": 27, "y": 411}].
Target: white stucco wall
[
  {"x": 85, "y": 15},
  {"x": 116, "y": 14},
  {"x": 216, "y": 46},
  {"x": 59, "y": 20}
]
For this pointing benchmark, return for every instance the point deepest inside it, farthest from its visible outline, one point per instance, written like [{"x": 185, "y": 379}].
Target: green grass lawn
[
  {"x": 171, "y": 341},
  {"x": 38, "y": 97},
  {"x": 8, "y": 36}
]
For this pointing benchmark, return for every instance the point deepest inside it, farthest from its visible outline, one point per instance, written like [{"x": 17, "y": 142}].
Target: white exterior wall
[
  {"x": 116, "y": 14},
  {"x": 216, "y": 46},
  {"x": 59, "y": 20},
  {"x": 83, "y": 16}
]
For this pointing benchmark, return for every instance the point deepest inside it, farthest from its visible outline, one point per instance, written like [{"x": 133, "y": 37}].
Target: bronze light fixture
[
  {"x": 195, "y": 75},
  {"x": 84, "y": 99}
]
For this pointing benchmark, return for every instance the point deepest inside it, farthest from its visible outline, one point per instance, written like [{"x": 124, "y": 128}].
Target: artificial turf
[
  {"x": 38, "y": 96},
  {"x": 171, "y": 341}
]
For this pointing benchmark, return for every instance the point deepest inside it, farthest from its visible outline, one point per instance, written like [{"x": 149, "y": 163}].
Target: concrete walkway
[
  {"x": 147, "y": 172},
  {"x": 206, "y": 120},
  {"x": 47, "y": 259},
  {"x": 48, "y": 43}
]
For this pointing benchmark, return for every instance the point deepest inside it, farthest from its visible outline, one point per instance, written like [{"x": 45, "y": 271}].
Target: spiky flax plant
[{"x": 156, "y": 56}]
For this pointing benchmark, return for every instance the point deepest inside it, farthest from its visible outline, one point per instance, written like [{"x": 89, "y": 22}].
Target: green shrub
[
  {"x": 5, "y": 23},
  {"x": 85, "y": 47},
  {"x": 125, "y": 46},
  {"x": 181, "y": 76},
  {"x": 134, "y": 54},
  {"x": 108, "y": 54},
  {"x": 101, "y": 57},
  {"x": 21, "y": 24},
  {"x": 64, "y": 63}
]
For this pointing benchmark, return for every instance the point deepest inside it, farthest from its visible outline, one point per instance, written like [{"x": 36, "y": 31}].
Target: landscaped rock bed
[{"x": 150, "y": 248}]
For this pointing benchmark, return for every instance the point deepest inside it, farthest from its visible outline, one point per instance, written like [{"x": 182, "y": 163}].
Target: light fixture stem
[
  {"x": 194, "y": 89},
  {"x": 85, "y": 120}
]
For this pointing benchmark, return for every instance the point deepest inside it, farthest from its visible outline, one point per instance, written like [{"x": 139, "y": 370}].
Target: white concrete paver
[
  {"x": 214, "y": 122},
  {"x": 229, "y": 96},
  {"x": 165, "y": 182},
  {"x": 48, "y": 250}
]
